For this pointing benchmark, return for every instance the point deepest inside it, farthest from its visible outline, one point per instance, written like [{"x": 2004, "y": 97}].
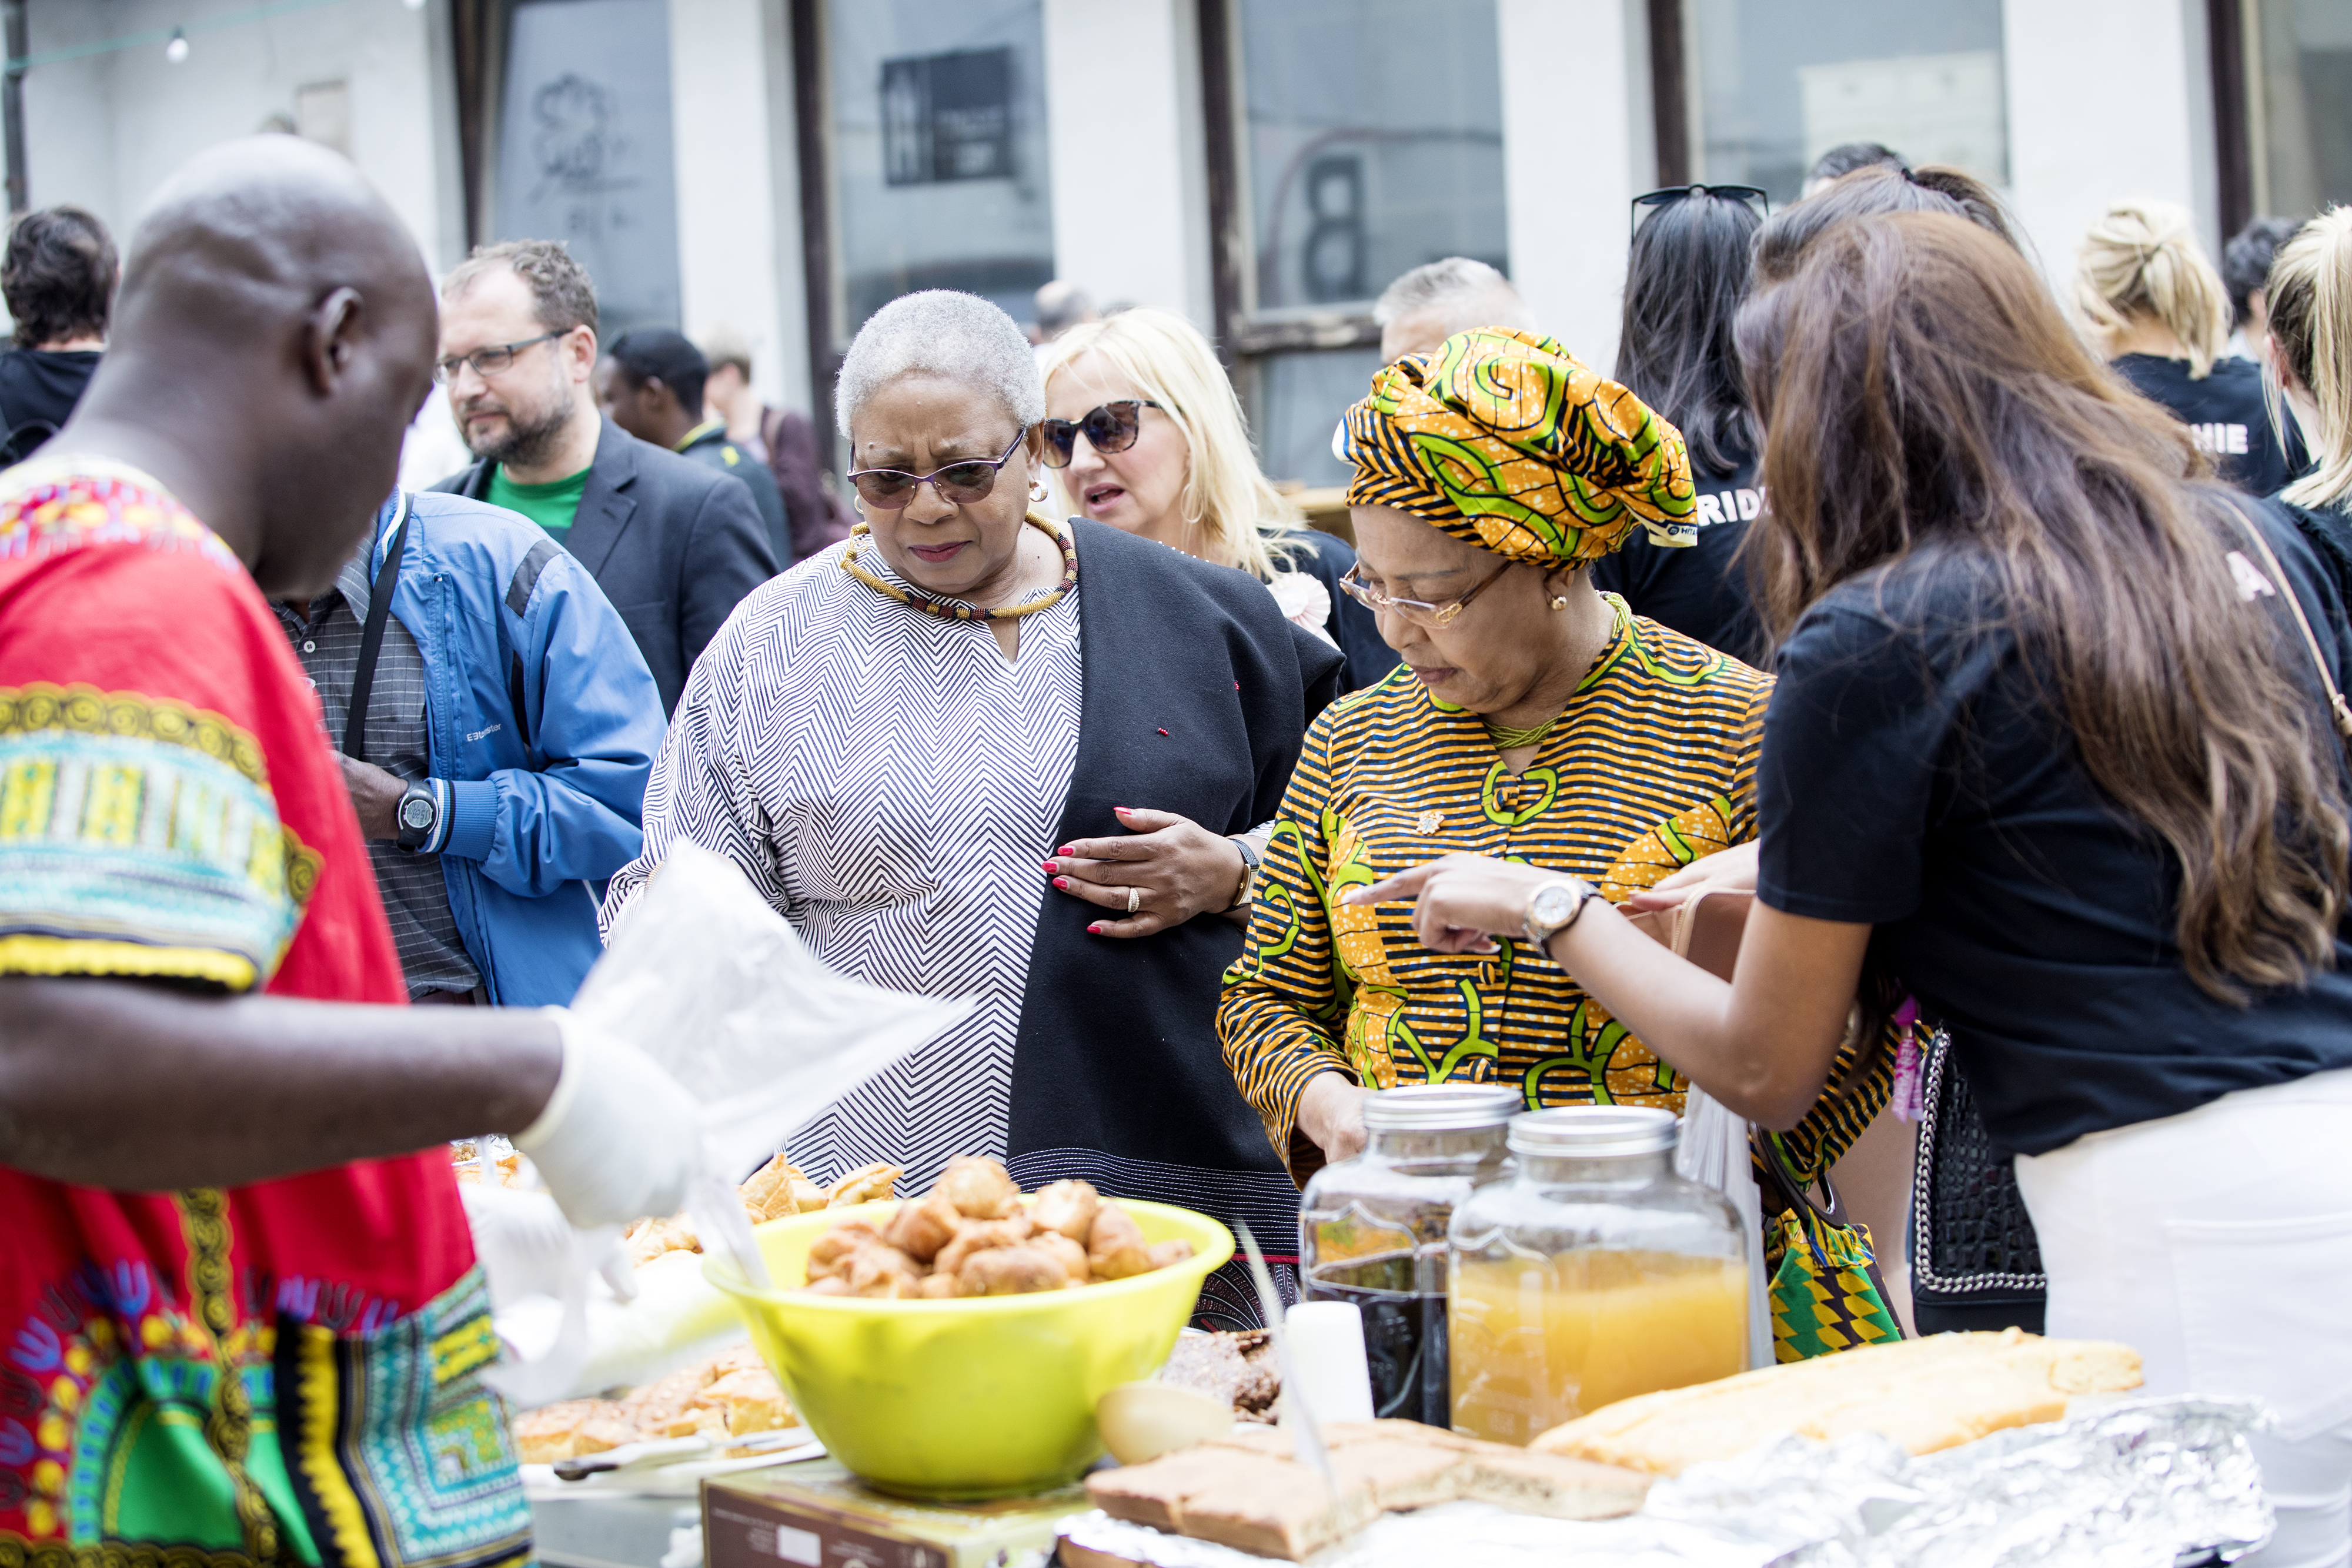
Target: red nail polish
[
  {"x": 1095, "y": 930},
  {"x": 1063, "y": 882},
  {"x": 1066, "y": 850},
  {"x": 1050, "y": 867}
]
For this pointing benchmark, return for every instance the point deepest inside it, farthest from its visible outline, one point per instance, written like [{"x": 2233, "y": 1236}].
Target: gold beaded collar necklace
[{"x": 954, "y": 610}]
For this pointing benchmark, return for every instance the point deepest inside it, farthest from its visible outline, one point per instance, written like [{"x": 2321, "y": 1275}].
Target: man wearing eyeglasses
[{"x": 674, "y": 545}]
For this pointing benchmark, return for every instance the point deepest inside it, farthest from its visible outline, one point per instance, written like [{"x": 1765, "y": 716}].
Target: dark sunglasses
[
  {"x": 1649, "y": 201},
  {"x": 959, "y": 483},
  {"x": 1112, "y": 427}
]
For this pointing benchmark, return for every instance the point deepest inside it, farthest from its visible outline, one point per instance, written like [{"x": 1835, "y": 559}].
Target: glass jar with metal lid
[
  {"x": 1595, "y": 1274},
  {"x": 1372, "y": 1229}
]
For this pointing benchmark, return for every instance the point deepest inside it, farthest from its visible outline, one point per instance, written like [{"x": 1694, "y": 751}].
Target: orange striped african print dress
[{"x": 1652, "y": 765}]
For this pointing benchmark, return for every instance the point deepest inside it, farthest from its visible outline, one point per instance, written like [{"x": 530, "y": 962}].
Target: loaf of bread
[
  {"x": 1245, "y": 1490},
  {"x": 1926, "y": 1394}
]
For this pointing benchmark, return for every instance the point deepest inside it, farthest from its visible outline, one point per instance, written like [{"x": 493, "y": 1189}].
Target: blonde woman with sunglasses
[{"x": 1143, "y": 432}]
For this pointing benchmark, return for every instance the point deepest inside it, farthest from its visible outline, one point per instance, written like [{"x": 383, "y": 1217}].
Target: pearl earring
[{"x": 1559, "y": 601}]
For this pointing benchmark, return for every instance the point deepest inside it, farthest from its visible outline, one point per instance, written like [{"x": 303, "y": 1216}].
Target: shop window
[
  {"x": 922, "y": 159},
  {"x": 1351, "y": 140},
  {"x": 583, "y": 147},
  {"x": 2299, "y": 101},
  {"x": 1768, "y": 86}
]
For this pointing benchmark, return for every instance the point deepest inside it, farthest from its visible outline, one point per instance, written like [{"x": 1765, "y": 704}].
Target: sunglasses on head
[
  {"x": 1112, "y": 427},
  {"x": 960, "y": 484},
  {"x": 1649, "y": 201}
]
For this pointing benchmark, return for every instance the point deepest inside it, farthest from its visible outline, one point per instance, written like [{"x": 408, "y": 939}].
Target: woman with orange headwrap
[{"x": 1534, "y": 717}]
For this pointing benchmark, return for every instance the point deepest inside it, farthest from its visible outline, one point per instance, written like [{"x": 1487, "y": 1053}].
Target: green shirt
[{"x": 552, "y": 507}]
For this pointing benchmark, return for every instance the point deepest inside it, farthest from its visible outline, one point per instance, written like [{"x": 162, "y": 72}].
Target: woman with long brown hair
[{"x": 2048, "y": 742}]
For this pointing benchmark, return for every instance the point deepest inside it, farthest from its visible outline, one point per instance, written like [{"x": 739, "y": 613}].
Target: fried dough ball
[
  {"x": 830, "y": 1285},
  {"x": 769, "y": 1194},
  {"x": 1067, "y": 1206},
  {"x": 979, "y": 1187},
  {"x": 1160, "y": 1254},
  {"x": 938, "y": 1287},
  {"x": 869, "y": 1184},
  {"x": 1071, "y": 1256},
  {"x": 829, "y": 1254},
  {"x": 920, "y": 1229},
  {"x": 979, "y": 1235},
  {"x": 1011, "y": 1271},
  {"x": 1114, "y": 1246},
  {"x": 879, "y": 1269}
]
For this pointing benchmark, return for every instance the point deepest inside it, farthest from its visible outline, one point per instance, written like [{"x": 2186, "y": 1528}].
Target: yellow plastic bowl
[{"x": 959, "y": 1400}]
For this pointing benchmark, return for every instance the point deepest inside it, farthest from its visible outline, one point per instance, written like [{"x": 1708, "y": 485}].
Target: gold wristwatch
[
  {"x": 1553, "y": 907},
  {"x": 1251, "y": 860}
]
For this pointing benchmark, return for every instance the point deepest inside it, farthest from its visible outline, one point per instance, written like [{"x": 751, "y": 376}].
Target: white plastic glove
[
  {"x": 620, "y": 1139},
  {"x": 525, "y": 1246}
]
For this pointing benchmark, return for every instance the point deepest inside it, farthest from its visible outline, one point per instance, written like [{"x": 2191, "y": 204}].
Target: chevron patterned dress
[{"x": 892, "y": 786}]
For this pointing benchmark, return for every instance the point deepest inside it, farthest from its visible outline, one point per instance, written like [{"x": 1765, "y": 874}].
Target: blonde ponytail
[
  {"x": 2310, "y": 300},
  {"x": 2141, "y": 260},
  {"x": 1240, "y": 517}
]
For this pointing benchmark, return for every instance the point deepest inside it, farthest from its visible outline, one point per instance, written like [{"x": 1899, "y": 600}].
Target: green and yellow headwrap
[{"x": 1508, "y": 441}]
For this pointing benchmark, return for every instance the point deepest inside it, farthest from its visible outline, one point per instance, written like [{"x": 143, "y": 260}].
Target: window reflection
[
  {"x": 1301, "y": 396},
  {"x": 1374, "y": 141},
  {"x": 2299, "y": 61},
  {"x": 1780, "y": 82},
  {"x": 939, "y": 152}
]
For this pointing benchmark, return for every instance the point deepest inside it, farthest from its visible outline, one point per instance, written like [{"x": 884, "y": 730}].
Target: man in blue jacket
[{"x": 508, "y": 725}]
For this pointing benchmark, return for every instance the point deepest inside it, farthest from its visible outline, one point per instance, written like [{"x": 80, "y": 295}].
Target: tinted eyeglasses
[
  {"x": 959, "y": 483},
  {"x": 1417, "y": 611},
  {"x": 1649, "y": 201},
  {"x": 495, "y": 360},
  {"x": 1112, "y": 427}
]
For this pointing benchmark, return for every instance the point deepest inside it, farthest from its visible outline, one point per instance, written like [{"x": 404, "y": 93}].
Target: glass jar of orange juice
[{"x": 1596, "y": 1273}]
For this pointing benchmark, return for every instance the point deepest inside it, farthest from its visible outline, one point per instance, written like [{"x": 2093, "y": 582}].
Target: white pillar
[
  {"x": 1124, "y": 134},
  {"x": 2108, "y": 99},
  {"x": 733, "y": 263},
  {"x": 1576, "y": 147}
]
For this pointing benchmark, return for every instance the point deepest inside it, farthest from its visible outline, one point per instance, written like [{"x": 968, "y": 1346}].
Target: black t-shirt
[
  {"x": 1697, "y": 590},
  {"x": 38, "y": 388},
  {"x": 1913, "y": 780},
  {"x": 2225, "y": 415}
]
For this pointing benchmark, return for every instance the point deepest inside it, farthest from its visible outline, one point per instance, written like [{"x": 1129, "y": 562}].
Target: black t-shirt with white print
[
  {"x": 1698, "y": 590},
  {"x": 2226, "y": 417}
]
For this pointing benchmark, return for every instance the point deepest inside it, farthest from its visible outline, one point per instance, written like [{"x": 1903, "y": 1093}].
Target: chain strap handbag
[{"x": 1976, "y": 1262}]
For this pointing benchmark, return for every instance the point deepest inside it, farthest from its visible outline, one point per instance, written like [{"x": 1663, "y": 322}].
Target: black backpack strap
[{"x": 388, "y": 578}]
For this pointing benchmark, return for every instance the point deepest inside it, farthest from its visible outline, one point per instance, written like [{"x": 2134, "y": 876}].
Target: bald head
[{"x": 273, "y": 338}]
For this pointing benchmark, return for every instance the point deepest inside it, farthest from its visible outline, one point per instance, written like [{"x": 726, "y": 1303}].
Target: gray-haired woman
[{"x": 902, "y": 739}]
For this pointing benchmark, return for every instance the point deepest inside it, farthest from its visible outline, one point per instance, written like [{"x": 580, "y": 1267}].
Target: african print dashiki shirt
[
  {"x": 1652, "y": 765},
  {"x": 285, "y": 1373}
]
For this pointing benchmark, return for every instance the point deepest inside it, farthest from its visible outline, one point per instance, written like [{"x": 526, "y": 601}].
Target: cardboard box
[{"x": 817, "y": 1515}]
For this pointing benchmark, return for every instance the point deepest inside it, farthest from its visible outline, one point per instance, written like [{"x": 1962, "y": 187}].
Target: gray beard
[{"x": 527, "y": 444}]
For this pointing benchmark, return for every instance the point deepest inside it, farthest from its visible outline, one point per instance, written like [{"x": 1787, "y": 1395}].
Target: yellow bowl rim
[{"x": 721, "y": 1273}]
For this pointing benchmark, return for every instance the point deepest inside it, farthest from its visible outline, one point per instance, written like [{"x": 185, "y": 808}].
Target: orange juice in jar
[{"x": 1594, "y": 1275}]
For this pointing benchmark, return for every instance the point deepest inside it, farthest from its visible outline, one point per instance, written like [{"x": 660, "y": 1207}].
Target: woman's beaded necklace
[
  {"x": 1508, "y": 739},
  {"x": 955, "y": 610}
]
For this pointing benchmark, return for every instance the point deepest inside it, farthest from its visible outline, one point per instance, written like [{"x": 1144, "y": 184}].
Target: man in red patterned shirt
[{"x": 240, "y": 1317}]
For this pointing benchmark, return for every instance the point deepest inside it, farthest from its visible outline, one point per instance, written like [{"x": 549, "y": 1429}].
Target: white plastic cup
[{"x": 1327, "y": 1348}]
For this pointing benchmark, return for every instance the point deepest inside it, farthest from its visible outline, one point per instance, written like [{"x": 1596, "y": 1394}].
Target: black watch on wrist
[
  {"x": 417, "y": 816},
  {"x": 1251, "y": 860}
]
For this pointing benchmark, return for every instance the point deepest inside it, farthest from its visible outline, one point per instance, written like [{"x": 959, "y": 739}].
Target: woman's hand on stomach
[
  {"x": 1331, "y": 1112},
  {"x": 1176, "y": 868}
]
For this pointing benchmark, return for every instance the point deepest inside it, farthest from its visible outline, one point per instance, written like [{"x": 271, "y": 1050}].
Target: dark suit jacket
[
  {"x": 720, "y": 455},
  {"x": 674, "y": 545}
]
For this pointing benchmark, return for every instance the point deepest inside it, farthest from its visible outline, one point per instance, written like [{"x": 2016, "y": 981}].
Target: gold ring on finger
[{"x": 1134, "y": 899}]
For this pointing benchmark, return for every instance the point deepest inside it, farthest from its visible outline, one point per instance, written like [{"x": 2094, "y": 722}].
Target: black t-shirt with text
[
  {"x": 2225, "y": 415},
  {"x": 1915, "y": 779},
  {"x": 1699, "y": 589}
]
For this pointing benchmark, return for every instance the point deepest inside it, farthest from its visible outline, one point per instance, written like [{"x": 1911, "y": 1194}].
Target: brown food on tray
[
  {"x": 1233, "y": 1368},
  {"x": 469, "y": 1169},
  {"x": 731, "y": 1395},
  {"x": 970, "y": 1236},
  {"x": 1246, "y": 1489},
  {"x": 1926, "y": 1394}
]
